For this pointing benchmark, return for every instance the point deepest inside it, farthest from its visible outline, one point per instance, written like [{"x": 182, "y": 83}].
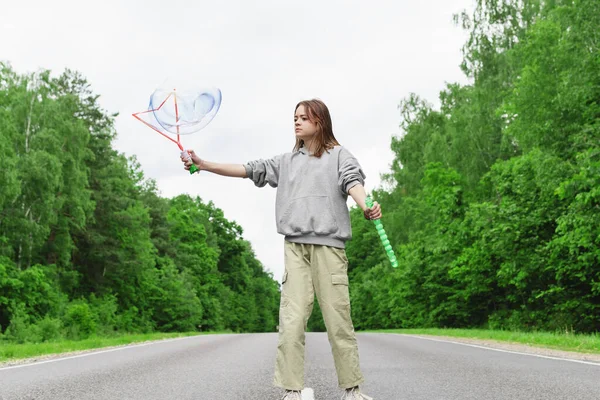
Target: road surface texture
[{"x": 240, "y": 366}]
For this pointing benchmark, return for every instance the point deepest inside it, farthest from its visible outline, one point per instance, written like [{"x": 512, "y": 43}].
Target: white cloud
[{"x": 360, "y": 57}]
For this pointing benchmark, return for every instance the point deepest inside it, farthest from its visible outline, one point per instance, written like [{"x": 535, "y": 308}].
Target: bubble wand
[
  {"x": 188, "y": 112},
  {"x": 384, "y": 239}
]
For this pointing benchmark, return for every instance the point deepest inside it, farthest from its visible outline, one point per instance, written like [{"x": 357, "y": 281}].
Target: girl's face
[{"x": 305, "y": 129}]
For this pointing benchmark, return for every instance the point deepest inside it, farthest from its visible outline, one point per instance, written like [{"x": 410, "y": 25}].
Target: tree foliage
[
  {"x": 87, "y": 244},
  {"x": 494, "y": 211}
]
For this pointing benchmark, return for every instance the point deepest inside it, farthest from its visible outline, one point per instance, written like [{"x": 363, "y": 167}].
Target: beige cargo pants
[{"x": 323, "y": 270}]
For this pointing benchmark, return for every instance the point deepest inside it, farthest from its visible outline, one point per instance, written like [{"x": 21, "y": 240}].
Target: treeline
[
  {"x": 87, "y": 244},
  {"x": 492, "y": 204},
  {"x": 493, "y": 201}
]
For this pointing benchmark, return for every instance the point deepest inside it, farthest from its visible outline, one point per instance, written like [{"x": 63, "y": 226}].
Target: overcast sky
[{"x": 360, "y": 57}]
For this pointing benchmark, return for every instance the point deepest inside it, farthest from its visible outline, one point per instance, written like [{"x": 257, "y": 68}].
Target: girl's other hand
[{"x": 373, "y": 212}]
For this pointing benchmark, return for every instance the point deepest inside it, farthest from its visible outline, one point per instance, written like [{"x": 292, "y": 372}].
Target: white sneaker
[
  {"x": 292, "y": 395},
  {"x": 308, "y": 394},
  {"x": 355, "y": 394}
]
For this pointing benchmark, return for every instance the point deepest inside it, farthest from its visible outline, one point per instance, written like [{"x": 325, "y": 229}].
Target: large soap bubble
[
  {"x": 180, "y": 110},
  {"x": 184, "y": 110}
]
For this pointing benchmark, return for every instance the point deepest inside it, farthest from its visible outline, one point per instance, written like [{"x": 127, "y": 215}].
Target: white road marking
[{"x": 503, "y": 351}]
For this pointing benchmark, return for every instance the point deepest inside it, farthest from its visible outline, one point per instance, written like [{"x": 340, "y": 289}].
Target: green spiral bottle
[{"x": 384, "y": 239}]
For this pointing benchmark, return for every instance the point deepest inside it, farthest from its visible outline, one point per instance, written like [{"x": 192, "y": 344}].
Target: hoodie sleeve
[
  {"x": 350, "y": 172},
  {"x": 262, "y": 172}
]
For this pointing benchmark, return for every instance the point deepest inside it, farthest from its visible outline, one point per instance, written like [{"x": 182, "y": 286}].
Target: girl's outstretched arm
[{"x": 232, "y": 170}]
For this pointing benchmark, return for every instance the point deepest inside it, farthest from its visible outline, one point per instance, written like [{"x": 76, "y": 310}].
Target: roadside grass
[
  {"x": 567, "y": 341},
  {"x": 13, "y": 351}
]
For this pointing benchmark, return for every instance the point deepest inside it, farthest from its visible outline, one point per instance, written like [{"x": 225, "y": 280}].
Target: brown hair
[{"x": 318, "y": 114}]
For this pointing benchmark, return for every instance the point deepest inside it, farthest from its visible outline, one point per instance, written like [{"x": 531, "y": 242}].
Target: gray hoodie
[{"x": 311, "y": 193}]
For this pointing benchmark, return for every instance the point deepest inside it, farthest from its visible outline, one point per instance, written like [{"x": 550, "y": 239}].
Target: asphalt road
[{"x": 231, "y": 367}]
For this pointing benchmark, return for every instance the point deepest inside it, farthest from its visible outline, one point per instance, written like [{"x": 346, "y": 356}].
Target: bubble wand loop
[
  {"x": 180, "y": 114},
  {"x": 136, "y": 115},
  {"x": 384, "y": 239}
]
